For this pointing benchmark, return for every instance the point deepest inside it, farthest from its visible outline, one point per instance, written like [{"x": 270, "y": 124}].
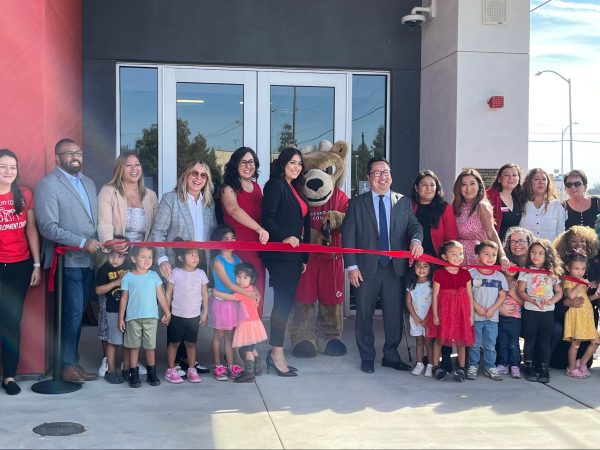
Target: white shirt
[
  {"x": 544, "y": 223},
  {"x": 196, "y": 209}
]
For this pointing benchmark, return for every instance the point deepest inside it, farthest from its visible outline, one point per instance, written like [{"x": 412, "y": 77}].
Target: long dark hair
[
  {"x": 231, "y": 177},
  {"x": 278, "y": 168},
  {"x": 438, "y": 204},
  {"x": 19, "y": 201},
  {"x": 518, "y": 188}
]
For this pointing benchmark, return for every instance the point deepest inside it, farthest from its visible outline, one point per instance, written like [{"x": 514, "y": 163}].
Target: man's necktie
[{"x": 384, "y": 241}]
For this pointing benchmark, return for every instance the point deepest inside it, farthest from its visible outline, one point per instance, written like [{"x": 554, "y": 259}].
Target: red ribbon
[{"x": 281, "y": 247}]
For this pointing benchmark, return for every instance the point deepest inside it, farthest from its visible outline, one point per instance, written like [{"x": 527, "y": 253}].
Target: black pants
[
  {"x": 537, "y": 332},
  {"x": 14, "y": 281},
  {"x": 390, "y": 288},
  {"x": 284, "y": 277}
]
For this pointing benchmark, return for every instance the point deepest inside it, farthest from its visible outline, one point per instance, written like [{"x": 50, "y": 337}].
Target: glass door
[
  {"x": 299, "y": 108},
  {"x": 208, "y": 113}
]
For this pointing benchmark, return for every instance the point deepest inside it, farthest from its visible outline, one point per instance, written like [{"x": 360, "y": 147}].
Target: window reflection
[
  {"x": 368, "y": 125},
  {"x": 300, "y": 116},
  {"x": 138, "y": 94},
  {"x": 210, "y": 124}
]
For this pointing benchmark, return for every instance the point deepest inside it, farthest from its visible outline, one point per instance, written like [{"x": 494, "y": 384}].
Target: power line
[{"x": 539, "y": 6}]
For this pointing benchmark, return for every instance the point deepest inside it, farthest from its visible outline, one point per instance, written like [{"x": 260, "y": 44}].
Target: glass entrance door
[
  {"x": 208, "y": 114},
  {"x": 301, "y": 109}
]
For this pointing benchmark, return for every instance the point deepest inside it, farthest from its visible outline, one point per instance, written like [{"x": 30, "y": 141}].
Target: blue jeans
[
  {"x": 486, "y": 333},
  {"x": 509, "y": 330},
  {"x": 77, "y": 288}
]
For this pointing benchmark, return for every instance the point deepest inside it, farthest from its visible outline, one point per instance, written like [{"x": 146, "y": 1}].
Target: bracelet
[{"x": 36, "y": 265}]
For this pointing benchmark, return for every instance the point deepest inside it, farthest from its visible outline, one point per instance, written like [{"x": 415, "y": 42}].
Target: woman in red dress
[{"x": 241, "y": 198}]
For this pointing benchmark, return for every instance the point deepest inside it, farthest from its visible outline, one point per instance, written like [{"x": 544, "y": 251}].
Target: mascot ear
[{"x": 341, "y": 148}]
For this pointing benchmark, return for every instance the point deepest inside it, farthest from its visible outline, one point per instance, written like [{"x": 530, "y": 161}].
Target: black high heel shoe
[{"x": 271, "y": 364}]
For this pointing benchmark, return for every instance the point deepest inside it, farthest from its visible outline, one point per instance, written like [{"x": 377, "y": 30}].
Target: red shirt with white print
[{"x": 13, "y": 240}]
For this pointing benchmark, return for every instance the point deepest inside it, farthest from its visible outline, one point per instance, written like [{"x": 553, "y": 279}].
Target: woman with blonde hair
[{"x": 543, "y": 213}]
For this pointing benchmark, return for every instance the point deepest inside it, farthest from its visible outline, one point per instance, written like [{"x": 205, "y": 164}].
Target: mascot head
[{"x": 324, "y": 170}]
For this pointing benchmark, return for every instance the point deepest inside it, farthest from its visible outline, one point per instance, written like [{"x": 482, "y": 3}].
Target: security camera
[
  {"x": 413, "y": 20},
  {"x": 417, "y": 15}
]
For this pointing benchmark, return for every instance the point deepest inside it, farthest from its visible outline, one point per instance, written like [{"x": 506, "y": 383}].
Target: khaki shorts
[{"x": 140, "y": 333}]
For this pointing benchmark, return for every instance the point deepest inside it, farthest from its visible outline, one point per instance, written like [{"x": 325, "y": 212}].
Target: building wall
[
  {"x": 336, "y": 34},
  {"x": 464, "y": 64},
  {"x": 41, "y": 101}
]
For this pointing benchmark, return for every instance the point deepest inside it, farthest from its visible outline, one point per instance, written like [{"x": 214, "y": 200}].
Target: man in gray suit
[
  {"x": 66, "y": 212},
  {"x": 380, "y": 219}
]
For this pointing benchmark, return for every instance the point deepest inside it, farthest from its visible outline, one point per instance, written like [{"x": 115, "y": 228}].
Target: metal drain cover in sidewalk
[{"x": 59, "y": 428}]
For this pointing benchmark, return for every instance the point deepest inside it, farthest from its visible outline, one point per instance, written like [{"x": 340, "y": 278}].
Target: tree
[
  {"x": 286, "y": 137},
  {"x": 147, "y": 148},
  {"x": 378, "y": 145},
  {"x": 594, "y": 190}
]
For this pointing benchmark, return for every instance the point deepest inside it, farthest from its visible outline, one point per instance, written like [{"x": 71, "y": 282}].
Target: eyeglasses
[
  {"x": 248, "y": 163},
  {"x": 196, "y": 174},
  {"x": 570, "y": 184},
  {"x": 380, "y": 173},
  {"x": 78, "y": 154},
  {"x": 518, "y": 242}
]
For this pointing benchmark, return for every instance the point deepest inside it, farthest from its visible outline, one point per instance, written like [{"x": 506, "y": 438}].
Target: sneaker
[
  {"x": 502, "y": 369},
  {"x": 515, "y": 372},
  {"x": 200, "y": 368},
  {"x": 180, "y": 371},
  {"x": 172, "y": 376},
  {"x": 220, "y": 372},
  {"x": 103, "y": 367},
  {"x": 234, "y": 371},
  {"x": 459, "y": 375},
  {"x": 472, "y": 373},
  {"x": 492, "y": 373},
  {"x": 419, "y": 369},
  {"x": 429, "y": 370},
  {"x": 440, "y": 374},
  {"x": 113, "y": 378},
  {"x": 192, "y": 375}
]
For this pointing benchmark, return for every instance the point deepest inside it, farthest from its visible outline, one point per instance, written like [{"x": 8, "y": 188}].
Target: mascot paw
[
  {"x": 335, "y": 347},
  {"x": 304, "y": 349}
]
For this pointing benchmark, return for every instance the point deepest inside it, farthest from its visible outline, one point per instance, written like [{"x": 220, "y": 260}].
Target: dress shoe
[
  {"x": 72, "y": 375},
  {"x": 398, "y": 365},
  {"x": 87, "y": 376},
  {"x": 11, "y": 388},
  {"x": 367, "y": 366},
  {"x": 271, "y": 365}
]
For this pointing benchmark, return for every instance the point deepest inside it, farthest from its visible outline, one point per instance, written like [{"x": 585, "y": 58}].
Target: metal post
[
  {"x": 570, "y": 126},
  {"x": 57, "y": 385}
]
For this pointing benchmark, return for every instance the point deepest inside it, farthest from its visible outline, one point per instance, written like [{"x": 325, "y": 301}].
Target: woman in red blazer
[
  {"x": 505, "y": 196},
  {"x": 433, "y": 212}
]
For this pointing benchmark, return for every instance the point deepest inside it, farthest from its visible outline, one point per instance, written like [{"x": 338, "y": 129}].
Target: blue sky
[{"x": 565, "y": 37}]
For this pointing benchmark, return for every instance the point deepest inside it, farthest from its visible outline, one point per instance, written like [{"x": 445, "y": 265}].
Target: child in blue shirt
[{"x": 138, "y": 313}]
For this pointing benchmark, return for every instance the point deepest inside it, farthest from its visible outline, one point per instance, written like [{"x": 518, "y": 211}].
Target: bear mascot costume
[{"x": 317, "y": 320}]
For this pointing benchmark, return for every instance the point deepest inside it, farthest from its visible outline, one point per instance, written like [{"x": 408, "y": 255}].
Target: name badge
[{"x": 504, "y": 209}]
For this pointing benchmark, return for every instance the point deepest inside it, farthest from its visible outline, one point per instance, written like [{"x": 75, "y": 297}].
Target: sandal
[{"x": 575, "y": 373}]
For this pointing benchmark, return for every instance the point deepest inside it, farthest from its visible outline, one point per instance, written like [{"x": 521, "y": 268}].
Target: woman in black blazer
[{"x": 285, "y": 216}]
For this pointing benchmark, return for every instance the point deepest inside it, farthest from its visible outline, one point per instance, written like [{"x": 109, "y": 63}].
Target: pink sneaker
[
  {"x": 502, "y": 369},
  {"x": 193, "y": 376},
  {"x": 575, "y": 373},
  {"x": 234, "y": 371},
  {"x": 172, "y": 376},
  {"x": 515, "y": 372},
  {"x": 220, "y": 372}
]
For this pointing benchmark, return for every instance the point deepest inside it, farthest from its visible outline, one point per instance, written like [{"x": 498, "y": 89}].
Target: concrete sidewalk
[{"x": 331, "y": 404}]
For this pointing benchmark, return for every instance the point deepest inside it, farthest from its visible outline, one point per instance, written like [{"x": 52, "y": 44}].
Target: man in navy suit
[
  {"x": 66, "y": 212},
  {"x": 380, "y": 219}
]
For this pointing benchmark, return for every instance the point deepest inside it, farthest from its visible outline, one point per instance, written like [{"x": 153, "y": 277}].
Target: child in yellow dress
[{"x": 579, "y": 322}]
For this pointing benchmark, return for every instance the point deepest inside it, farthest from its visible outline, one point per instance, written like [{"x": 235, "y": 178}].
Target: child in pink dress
[
  {"x": 250, "y": 330},
  {"x": 450, "y": 318}
]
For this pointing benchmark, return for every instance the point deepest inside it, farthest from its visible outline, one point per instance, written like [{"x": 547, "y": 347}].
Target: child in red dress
[
  {"x": 450, "y": 318},
  {"x": 250, "y": 330}
]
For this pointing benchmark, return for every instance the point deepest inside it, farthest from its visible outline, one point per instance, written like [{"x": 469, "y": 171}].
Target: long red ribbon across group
[{"x": 281, "y": 247}]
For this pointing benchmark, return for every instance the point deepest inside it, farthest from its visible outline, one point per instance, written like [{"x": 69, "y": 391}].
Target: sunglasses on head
[{"x": 570, "y": 184}]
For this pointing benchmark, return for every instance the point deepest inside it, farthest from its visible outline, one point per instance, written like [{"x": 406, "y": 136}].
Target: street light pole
[
  {"x": 562, "y": 139},
  {"x": 568, "y": 80}
]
